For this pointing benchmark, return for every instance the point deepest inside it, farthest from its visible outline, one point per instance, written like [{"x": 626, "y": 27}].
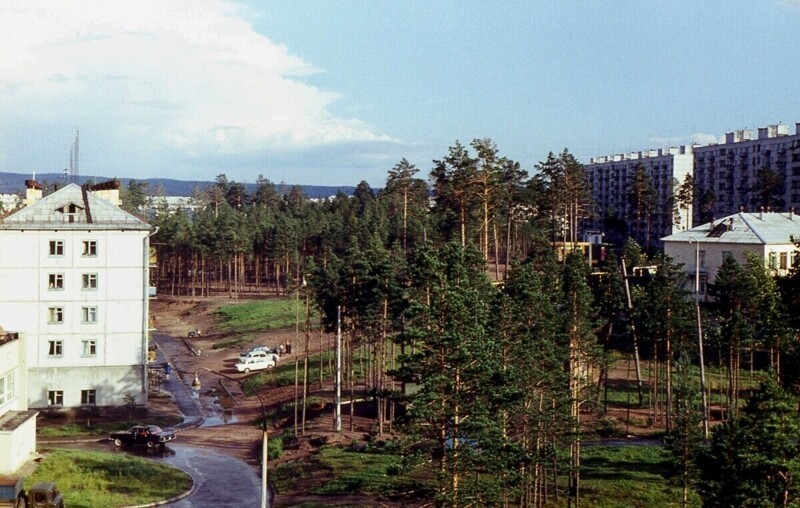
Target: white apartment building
[
  {"x": 614, "y": 214},
  {"x": 17, "y": 423},
  {"x": 730, "y": 176},
  {"x": 701, "y": 250},
  {"x": 74, "y": 279}
]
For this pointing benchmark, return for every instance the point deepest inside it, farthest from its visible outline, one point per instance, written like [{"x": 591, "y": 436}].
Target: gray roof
[
  {"x": 767, "y": 228},
  {"x": 72, "y": 207}
]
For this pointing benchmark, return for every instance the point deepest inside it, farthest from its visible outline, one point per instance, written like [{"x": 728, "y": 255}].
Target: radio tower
[{"x": 74, "y": 158}]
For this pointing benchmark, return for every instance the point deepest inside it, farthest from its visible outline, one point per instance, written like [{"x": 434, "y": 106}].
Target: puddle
[{"x": 215, "y": 419}]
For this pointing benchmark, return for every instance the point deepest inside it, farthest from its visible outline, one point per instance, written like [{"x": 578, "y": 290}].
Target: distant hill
[{"x": 14, "y": 182}]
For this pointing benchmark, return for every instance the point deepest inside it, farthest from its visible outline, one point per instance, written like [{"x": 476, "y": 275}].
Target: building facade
[
  {"x": 74, "y": 278},
  {"x": 701, "y": 250},
  {"x": 752, "y": 171},
  {"x": 17, "y": 423},
  {"x": 615, "y": 210}
]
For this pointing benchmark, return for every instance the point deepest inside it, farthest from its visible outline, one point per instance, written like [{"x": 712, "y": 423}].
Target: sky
[{"x": 335, "y": 92}]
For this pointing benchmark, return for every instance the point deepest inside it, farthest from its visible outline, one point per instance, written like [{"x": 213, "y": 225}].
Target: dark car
[{"x": 148, "y": 435}]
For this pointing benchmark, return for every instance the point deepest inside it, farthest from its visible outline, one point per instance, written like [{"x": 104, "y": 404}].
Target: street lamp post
[
  {"x": 264, "y": 436},
  {"x": 700, "y": 333}
]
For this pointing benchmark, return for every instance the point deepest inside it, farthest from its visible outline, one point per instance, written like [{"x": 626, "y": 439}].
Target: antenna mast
[{"x": 74, "y": 158}]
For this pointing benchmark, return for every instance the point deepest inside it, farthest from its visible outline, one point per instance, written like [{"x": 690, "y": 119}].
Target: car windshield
[{"x": 155, "y": 429}]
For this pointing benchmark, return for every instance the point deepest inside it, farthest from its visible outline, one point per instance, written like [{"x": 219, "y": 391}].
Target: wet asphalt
[{"x": 220, "y": 480}]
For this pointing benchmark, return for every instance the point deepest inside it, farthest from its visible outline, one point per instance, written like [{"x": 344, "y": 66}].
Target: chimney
[
  {"x": 107, "y": 190},
  {"x": 33, "y": 192}
]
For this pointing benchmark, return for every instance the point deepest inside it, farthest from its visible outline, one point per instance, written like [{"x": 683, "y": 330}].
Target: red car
[{"x": 148, "y": 435}]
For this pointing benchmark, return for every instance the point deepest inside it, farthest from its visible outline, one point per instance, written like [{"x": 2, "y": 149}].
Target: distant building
[
  {"x": 751, "y": 171},
  {"x": 615, "y": 214},
  {"x": 17, "y": 423},
  {"x": 701, "y": 250},
  {"x": 74, "y": 279}
]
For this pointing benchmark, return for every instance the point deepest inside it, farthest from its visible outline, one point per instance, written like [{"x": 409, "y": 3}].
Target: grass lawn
[
  {"x": 253, "y": 319},
  {"x": 108, "y": 480}
]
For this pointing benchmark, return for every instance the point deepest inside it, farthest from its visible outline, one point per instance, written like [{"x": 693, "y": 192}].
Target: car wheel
[
  {"x": 118, "y": 442},
  {"x": 247, "y": 370},
  {"x": 151, "y": 444}
]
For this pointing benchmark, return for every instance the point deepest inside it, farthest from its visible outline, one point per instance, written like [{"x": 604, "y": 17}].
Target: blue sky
[{"x": 336, "y": 92}]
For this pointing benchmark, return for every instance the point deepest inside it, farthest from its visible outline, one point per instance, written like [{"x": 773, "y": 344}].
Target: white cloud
[
  {"x": 190, "y": 75},
  {"x": 698, "y": 138}
]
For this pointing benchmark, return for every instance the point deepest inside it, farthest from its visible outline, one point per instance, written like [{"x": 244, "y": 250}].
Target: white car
[
  {"x": 254, "y": 353},
  {"x": 257, "y": 362}
]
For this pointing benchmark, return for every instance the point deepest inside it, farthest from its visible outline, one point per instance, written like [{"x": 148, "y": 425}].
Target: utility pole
[
  {"x": 636, "y": 361},
  {"x": 700, "y": 334},
  {"x": 337, "y": 414}
]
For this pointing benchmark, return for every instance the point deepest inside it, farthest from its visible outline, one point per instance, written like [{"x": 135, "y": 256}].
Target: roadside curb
[{"x": 172, "y": 499}]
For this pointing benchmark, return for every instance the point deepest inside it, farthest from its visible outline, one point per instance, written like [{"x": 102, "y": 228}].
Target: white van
[{"x": 257, "y": 362}]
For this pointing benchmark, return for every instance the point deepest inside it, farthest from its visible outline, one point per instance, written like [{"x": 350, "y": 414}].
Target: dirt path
[{"x": 232, "y": 431}]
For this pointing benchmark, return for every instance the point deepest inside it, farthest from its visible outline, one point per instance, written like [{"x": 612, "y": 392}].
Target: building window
[
  {"x": 784, "y": 263},
  {"x": 89, "y": 397},
  {"x": 701, "y": 287},
  {"x": 702, "y": 256},
  {"x": 56, "y": 247},
  {"x": 55, "y": 347},
  {"x": 89, "y": 281},
  {"x": 7, "y": 388},
  {"x": 88, "y": 347},
  {"x": 89, "y": 314},
  {"x": 55, "y": 315},
  {"x": 773, "y": 261},
  {"x": 89, "y": 248},
  {"x": 55, "y": 397},
  {"x": 55, "y": 281}
]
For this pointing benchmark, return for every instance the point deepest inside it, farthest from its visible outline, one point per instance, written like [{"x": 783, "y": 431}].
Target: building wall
[
  {"x": 611, "y": 179},
  {"x": 712, "y": 255},
  {"x": 17, "y": 443},
  {"x": 18, "y": 446},
  {"x": 730, "y": 171},
  {"x": 116, "y": 362}
]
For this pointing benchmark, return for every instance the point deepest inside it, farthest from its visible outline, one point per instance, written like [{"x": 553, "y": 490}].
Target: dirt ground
[{"x": 177, "y": 316}]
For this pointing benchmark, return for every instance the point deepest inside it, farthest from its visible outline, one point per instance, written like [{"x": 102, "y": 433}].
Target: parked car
[
  {"x": 148, "y": 435},
  {"x": 257, "y": 362},
  {"x": 41, "y": 495},
  {"x": 257, "y": 353}
]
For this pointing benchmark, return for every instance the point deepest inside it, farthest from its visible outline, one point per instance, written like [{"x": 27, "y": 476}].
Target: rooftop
[
  {"x": 72, "y": 207},
  {"x": 765, "y": 228}
]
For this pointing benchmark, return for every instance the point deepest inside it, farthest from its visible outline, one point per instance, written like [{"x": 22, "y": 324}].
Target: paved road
[{"x": 220, "y": 480}]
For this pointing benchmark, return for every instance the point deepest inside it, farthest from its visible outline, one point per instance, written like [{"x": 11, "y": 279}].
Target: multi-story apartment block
[
  {"x": 17, "y": 423},
  {"x": 751, "y": 171},
  {"x": 74, "y": 278},
  {"x": 615, "y": 212}
]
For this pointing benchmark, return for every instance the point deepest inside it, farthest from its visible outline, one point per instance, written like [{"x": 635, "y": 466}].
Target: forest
[{"x": 468, "y": 285}]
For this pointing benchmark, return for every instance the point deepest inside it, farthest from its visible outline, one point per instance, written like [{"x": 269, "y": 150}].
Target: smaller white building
[
  {"x": 17, "y": 423},
  {"x": 702, "y": 249}
]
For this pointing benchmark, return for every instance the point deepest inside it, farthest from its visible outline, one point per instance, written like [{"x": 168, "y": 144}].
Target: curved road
[{"x": 220, "y": 480}]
